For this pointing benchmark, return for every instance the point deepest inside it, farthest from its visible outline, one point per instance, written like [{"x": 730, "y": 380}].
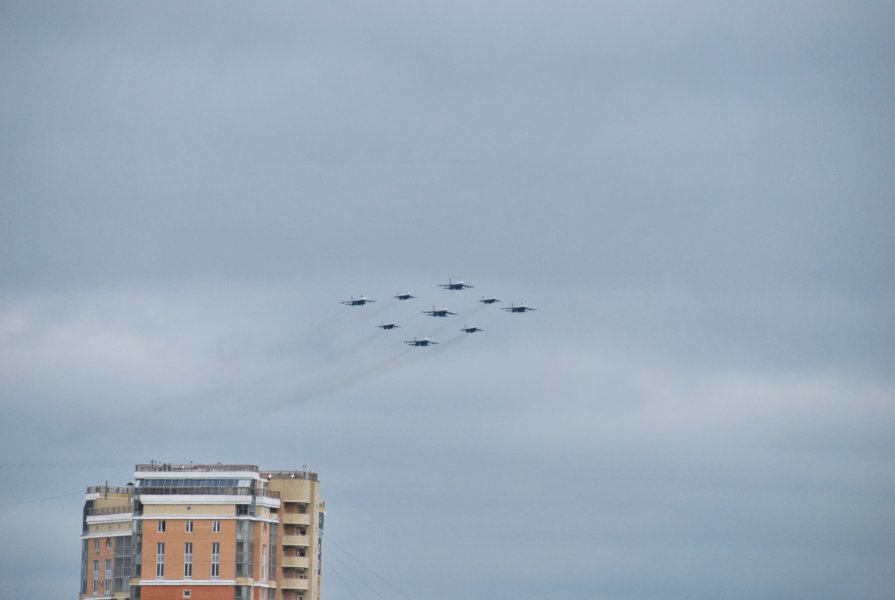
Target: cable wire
[
  {"x": 30, "y": 500},
  {"x": 345, "y": 583},
  {"x": 358, "y": 561},
  {"x": 352, "y": 571}
]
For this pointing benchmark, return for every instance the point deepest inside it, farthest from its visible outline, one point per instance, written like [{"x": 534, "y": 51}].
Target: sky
[{"x": 697, "y": 197}]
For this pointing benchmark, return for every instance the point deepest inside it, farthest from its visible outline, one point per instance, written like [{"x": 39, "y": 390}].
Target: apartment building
[{"x": 203, "y": 532}]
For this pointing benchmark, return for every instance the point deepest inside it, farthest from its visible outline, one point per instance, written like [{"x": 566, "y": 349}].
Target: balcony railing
[
  {"x": 296, "y": 562},
  {"x": 109, "y": 510},
  {"x": 175, "y": 467},
  {"x": 109, "y": 489},
  {"x": 203, "y": 491},
  {"x": 294, "y": 584},
  {"x": 309, "y": 475},
  {"x": 297, "y": 518},
  {"x": 296, "y": 540}
]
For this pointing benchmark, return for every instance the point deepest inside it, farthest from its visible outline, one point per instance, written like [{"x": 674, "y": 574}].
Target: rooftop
[
  {"x": 191, "y": 467},
  {"x": 309, "y": 475}
]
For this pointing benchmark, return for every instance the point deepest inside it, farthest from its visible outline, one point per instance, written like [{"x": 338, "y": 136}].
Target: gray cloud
[{"x": 695, "y": 197}]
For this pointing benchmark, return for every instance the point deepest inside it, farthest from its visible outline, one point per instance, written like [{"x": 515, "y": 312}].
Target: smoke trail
[
  {"x": 333, "y": 382},
  {"x": 449, "y": 343},
  {"x": 449, "y": 322},
  {"x": 340, "y": 363}
]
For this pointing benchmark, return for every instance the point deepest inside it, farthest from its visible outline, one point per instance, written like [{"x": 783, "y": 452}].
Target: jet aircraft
[
  {"x": 388, "y": 326},
  {"x": 403, "y": 296},
  {"x": 439, "y": 312},
  {"x": 490, "y": 300},
  {"x": 454, "y": 285},
  {"x": 420, "y": 343},
  {"x": 517, "y": 309},
  {"x": 471, "y": 329},
  {"x": 357, "y": 301}
]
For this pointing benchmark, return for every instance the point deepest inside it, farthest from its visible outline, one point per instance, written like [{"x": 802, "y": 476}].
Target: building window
[
  {"x": 109, "y": 544},
  {"x": 189, "y": 527},
  {"x": 96, "y": 545},
  {"x": 160, "y": 527},
  {"x": 263, "y": 563},
  {"x": 160, "y": 560},
  {"x": 215, "y": 527},
  {"x": 95, "y": 577},
  {"x": 188, "y": 560},
  {"x": 108, "y": 581},
  {"x": 187, "y": 593},
  {"x": 215, "y": 560}
]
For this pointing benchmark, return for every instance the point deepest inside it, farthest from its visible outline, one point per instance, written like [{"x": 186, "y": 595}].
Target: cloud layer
[{"x": 697, "y": 199}]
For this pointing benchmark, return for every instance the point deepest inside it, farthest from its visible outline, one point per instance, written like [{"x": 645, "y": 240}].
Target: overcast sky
[{"x": 696, "y": 196}]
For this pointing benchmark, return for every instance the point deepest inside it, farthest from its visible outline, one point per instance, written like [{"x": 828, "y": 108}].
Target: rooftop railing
[
  {"x": 177, "y": 467},
  {"x": 203, "y": 491},
  {"x": 110, "y": 510},
  {"x": 111, "y": 489},
  {"x": 309, "y": 475}
]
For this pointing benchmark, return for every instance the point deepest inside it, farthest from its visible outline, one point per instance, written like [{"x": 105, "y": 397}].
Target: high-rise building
[{"x": 203, "y": 532}]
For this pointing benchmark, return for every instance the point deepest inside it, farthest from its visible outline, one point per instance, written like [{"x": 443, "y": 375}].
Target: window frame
[
  {"x": 215, "y": 560},
  {"x": 160, "y": 560},
  {"x": 96, "y": 577},
  {"x": 188, "y": 560}
]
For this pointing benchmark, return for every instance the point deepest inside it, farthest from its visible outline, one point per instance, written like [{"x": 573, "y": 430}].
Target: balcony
[
  {"x": 297, "y": 562},
  {"x": 294, "y": 584},
  {"x": 296, "y": 518},
  {"x": 109, "y": 510},
  {"x": 182, "y": 468},
  {"x": 306, "y": 475},
  {"x": 203, "y": 491},
  {"x": 297, "y": 540},
  {"x": 110, "y": 489}
]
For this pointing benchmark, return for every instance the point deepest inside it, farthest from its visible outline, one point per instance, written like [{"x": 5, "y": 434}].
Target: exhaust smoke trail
[
  {"x": 340, "y": 359},
  {"x": 333, "y": 382}
]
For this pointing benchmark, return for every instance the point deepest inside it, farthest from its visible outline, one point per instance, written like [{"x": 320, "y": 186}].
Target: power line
[
  {"x": 358, "y": 561},
  {"x": 30, "y": 500},
  {"x": 345, "y": 583},
  {"x": 63, "y": 465},
  {"x": 352, "y": 571}
]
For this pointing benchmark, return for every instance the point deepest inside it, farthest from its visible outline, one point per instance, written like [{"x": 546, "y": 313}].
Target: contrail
[
  {"x": 337, "y": 381},
  {"x": 450, "y": 342},
  {"x": 310, "y": 384},
  {"x": 355, "y": 347},
  {"x": 344, "y": 365},
  {"x": 452, "y": 322}
]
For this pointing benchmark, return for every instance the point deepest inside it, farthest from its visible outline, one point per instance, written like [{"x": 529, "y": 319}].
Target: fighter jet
[
  {"x": 451, "y": 285},
  {"x": 471, "y": 329},
  {"x": 421, "y": 343},
  {"x": 517, "y": 309},
  {"x": 403, "y": 296},
  {"x": 357, "y": 301},
  {"x": 440, "y": 312},
  {"x": 388, "y": 326},
  {"x": 490, "y": 300}
]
